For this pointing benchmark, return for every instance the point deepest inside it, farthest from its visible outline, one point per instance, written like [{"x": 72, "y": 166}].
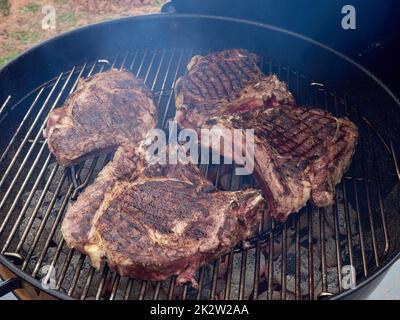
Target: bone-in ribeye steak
[
  {"x": 223, "y": 83},
  {"x": 148, "y": 221},
  {"x": 300, "y": 153},
  {"x": 107, "y": 110},
  {"x": 168, "y": 221}
]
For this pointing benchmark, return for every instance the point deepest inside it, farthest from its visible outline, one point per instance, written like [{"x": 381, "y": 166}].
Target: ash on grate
[
  {"x": 332, "y": 220},
  {"x": 35, "y": 217},
  {"x": 82, "y": 263},
  {"x": 68, "y": 284},
  {"x": 248, "y": 276}
]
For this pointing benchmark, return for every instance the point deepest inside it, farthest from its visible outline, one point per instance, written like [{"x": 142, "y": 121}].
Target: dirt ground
[{"x": 21, "y": 21}]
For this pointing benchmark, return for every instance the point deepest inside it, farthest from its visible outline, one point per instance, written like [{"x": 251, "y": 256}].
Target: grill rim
[{"x": 59, "y": 294}]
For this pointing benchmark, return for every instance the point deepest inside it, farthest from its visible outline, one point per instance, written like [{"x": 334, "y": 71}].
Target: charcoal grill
[{"x": 302, "y": 258}]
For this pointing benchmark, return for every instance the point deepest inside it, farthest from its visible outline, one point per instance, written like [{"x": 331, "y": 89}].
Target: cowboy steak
[
  {"x": 168, "y": 220},
  {"x": 107, "y": 110},
  {"x": 146, "y": 220},
  {"x": 223, "y": 83},
  {"x": 299, "y": 153}
]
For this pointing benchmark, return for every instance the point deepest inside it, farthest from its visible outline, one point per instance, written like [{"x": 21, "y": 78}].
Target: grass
[
  {"x": 27, "y": 32},
  {"x": 31, "y": 7},
  {"x": 4, "y": 59},
  {"x": 106, "y": 18},
  {"x": 5, "y": 7},
  {"x": 67, "y": 17},
  {"x": 25, "y": 37}
]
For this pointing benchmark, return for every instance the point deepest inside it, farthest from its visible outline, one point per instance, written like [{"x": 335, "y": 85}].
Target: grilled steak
[
  {"x": 146, "y": 220},
  {"x": 223, "y": 83},
  {"x": 107, "y": 110},
  {"x": 168, "y": 221},
  {"x": 79, "y": 218},
  {"x": 299, "y": 153}
]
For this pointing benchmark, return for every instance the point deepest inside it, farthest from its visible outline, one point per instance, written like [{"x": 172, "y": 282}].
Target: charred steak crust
[
  {"x": 107, "y": 110},
  {"x": 225, "y": 82},
  {"x": 147, "y": 221},
  {"x": 80, "y": 216},
  {"x": 300, "y": 153},
  {"x": 154, "y": 221},
  {"x": 161, "y": 225}
]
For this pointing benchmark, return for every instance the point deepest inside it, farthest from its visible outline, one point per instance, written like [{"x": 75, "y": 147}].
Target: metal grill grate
[{"x": 300, "y": 259}]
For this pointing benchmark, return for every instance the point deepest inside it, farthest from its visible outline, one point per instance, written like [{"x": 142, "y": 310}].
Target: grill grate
[{"x": 299, "y": 259}]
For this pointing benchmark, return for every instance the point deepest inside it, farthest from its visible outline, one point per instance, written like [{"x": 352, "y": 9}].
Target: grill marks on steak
[
  {"x": 155, "y": 221},
  {"x": 148, "y": 221},
  {"x": 107, "y": 110},
  {"x": 80, "y": 216},
  {"x": 161, "y": 225},
  {"x": 225, "y": 82},
  {"x": 221, "y": 75},
  {"x": 300, "y": 153}
]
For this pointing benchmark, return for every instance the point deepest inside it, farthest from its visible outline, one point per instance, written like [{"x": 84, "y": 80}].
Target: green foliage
[
  {"x": 4, "y": 59},
  {"x": 5, "y": 7},
  {"x": 25, "y": 36},
  {"x": 67, "y": 17},
  {"x": 106, "y": 18},
  {"x": 31, "y": 7}
]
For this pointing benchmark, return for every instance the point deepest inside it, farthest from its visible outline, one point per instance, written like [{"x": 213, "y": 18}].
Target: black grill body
[{"x": 284, "y": 261}]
